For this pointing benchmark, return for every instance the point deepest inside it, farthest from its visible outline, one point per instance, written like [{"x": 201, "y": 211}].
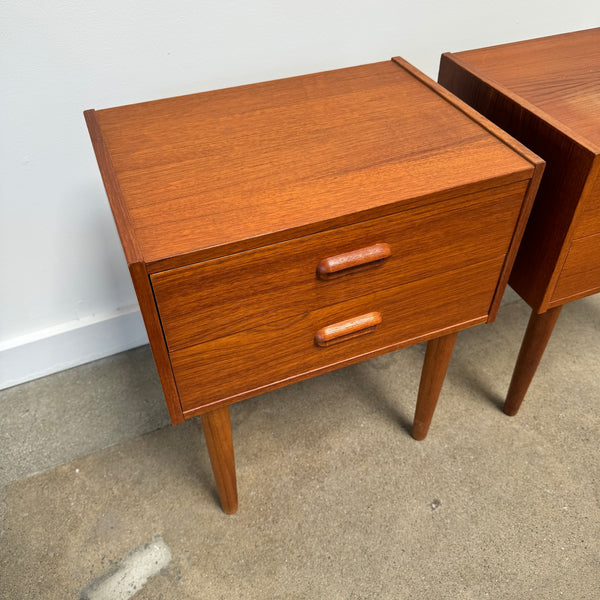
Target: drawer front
[
  {"x": 580, "y": 275},
  {"x": 589, "y": 221},
  {"x": 240, "y": 365},
  {"x": 220, "y": 297}
]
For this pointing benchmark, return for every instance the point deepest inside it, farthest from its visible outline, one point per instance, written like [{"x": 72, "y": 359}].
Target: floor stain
[{"x": 126, "y": 577}]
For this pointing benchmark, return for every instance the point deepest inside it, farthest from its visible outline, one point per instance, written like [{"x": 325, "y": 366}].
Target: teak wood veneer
[
  {"x": 546, "y": 93},
  {"x": 280, "y": 230}
]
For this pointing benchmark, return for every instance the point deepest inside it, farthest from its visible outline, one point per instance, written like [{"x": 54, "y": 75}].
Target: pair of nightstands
[{"x": 284, "y": 229}]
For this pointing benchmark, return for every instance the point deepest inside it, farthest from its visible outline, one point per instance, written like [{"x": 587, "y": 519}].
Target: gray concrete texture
[{"x": 336, "y": 499}]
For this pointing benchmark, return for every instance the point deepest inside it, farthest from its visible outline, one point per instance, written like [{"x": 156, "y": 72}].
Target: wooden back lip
[
  {"x": 489, "y": 126},
  {"x": 535, "y": 110},
  {"x": 131, "y": 247}
]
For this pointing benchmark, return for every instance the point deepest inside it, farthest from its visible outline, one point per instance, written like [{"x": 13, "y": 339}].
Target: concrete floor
[{"x": 336, "y": 499}]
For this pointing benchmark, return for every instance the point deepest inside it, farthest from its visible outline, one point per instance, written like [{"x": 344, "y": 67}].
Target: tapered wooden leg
[
  {"x": 538, "y": 333},
  {"x": 437, "y": 357},
  {"x": 217, "y": 431}
]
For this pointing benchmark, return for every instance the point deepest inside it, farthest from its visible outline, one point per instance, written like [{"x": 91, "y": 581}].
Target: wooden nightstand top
[
  {"x": 205, "y": 175},
  {"x": 559, "y": 75}
]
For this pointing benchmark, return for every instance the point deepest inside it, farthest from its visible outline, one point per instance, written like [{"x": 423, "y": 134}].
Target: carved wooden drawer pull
[
  {"x": 346, "y": 330},
  {"x": 350, "y": 262}
]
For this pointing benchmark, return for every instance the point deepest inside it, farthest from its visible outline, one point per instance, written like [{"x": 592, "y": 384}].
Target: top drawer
[{"x": 215, "y": 298}]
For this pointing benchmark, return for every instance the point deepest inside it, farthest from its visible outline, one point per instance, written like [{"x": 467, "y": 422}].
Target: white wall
[{"x": 65, "y": 295}]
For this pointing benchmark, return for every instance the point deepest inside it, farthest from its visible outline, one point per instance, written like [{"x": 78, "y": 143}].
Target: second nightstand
[{"x": 546, "y": 93}]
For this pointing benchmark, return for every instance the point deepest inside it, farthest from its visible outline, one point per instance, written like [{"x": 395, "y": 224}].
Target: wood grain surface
[
  {"x": 244, "y": 364},
  {"x": 219, "y": 297},
  {"x": 557, "y": 76},
  {"x": 209, "y": 174}
]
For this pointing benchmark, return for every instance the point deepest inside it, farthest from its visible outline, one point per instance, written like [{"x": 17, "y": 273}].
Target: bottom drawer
[
  {"x": 580, "y": 275},
  {"x": 244, "y": 364}
]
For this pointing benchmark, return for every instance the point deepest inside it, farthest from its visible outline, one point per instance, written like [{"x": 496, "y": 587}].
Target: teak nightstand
[
  {"x": 546, "y": 93},
  {"x": 284, "y": 229}
]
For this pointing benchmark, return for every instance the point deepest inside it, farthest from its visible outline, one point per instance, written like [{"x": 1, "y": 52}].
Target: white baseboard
[{"x": 75, "y": 343}]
